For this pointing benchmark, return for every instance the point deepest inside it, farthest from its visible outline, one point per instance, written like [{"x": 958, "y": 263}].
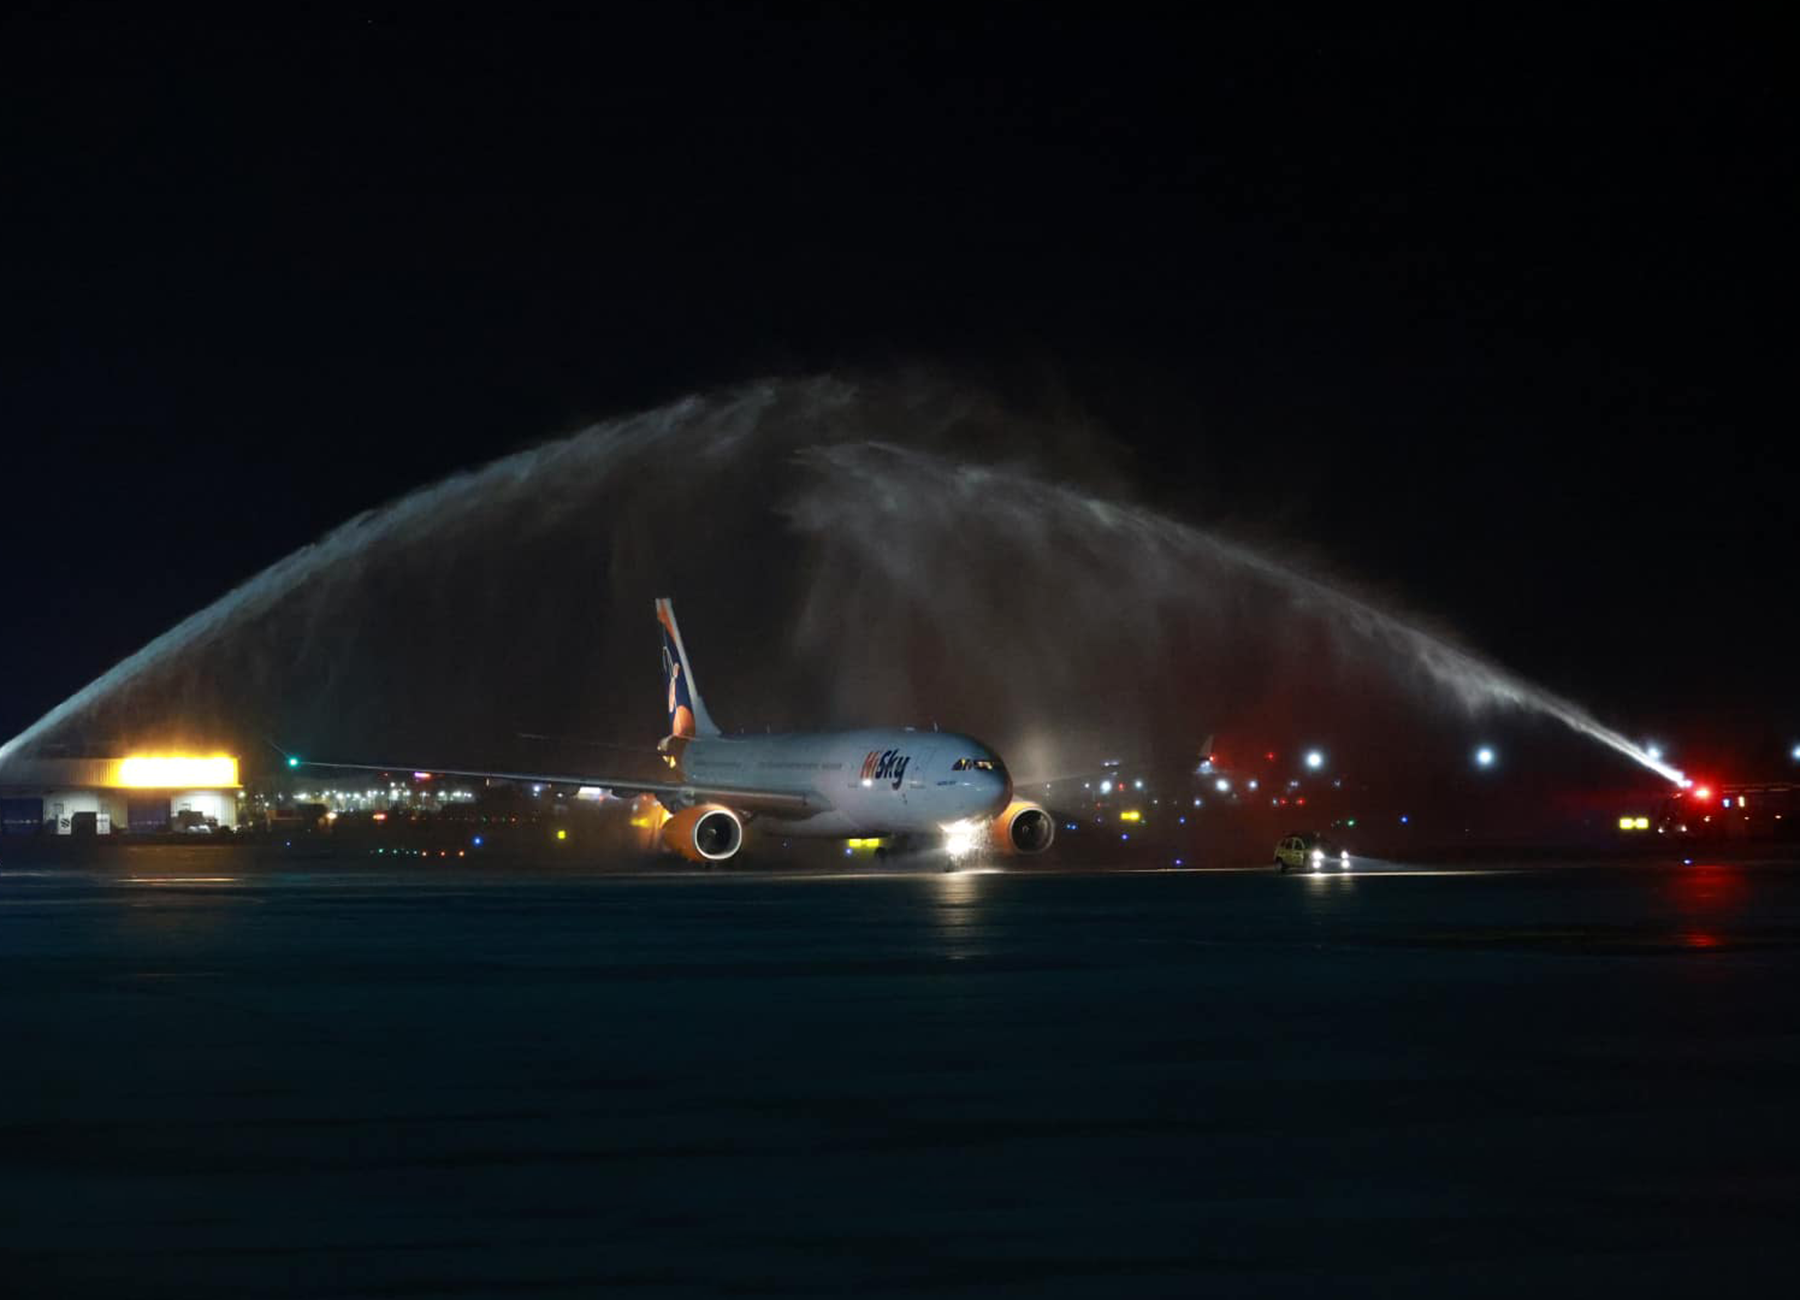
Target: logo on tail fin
[{"x": 687, "y": 714}]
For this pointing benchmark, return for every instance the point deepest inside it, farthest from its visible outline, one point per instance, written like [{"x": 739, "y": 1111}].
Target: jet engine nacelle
[
  {"x": 707, "y": 832},
  {"x": 1024, "y": 828}
]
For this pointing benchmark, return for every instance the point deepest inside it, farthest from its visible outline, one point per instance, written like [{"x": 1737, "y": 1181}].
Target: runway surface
[{"x": 230, "y": 1076}]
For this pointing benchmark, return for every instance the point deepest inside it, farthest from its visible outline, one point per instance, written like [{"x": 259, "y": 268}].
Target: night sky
[{"x": 1498, "y": 320}]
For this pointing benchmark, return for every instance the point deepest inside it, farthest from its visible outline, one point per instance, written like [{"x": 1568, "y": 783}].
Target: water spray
[
  {"x": 877, "y": 519},
  {"x": 1007, "y": 503}
]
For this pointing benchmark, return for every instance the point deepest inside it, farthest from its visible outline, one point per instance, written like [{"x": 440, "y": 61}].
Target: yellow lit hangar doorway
[{"x": 141, "y": 793}]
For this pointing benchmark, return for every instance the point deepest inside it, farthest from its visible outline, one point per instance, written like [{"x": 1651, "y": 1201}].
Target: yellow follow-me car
[{"x": 1309, "y": 853}]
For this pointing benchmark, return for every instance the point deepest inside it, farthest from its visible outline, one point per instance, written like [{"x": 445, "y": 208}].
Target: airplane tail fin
[{"x": 687, "y": 711}]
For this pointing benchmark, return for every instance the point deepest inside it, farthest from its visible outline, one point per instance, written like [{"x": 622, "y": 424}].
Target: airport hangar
[{"x": 141, "y": 793}]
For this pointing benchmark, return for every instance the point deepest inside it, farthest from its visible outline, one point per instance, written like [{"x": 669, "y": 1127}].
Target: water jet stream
[
  {"x": 892, "y": 524},
  {"x": 876, "y": 489},
  {"x": 546, "y": 479}
]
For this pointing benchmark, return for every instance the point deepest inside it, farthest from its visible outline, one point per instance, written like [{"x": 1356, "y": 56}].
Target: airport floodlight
[
  {"x": 1315, "y": 759},
  {"x": 173, "y": 771},
  {"x": 1484, "y": 757}
]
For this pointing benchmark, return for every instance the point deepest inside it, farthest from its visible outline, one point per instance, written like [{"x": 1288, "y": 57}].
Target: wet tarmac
[{"x": 226, "y": 1076}]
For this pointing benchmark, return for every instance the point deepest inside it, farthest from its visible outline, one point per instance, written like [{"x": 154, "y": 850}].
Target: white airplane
[{"x": 875, "y": 783}]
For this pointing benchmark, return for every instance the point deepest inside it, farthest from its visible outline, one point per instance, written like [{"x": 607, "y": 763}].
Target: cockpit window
[{"x": 976, "y": 765}]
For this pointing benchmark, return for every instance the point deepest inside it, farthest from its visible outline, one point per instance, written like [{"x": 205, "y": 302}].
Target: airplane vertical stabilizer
[{"x": 687, "y": 711}]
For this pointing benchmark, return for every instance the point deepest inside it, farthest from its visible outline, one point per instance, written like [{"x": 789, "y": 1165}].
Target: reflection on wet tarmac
[
  {"x": 228, "y": 1077},
  {"x": 179, "y": 880}
]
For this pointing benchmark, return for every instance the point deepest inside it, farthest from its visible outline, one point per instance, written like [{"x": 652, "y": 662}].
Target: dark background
[{"x": 1496, "y": 318}]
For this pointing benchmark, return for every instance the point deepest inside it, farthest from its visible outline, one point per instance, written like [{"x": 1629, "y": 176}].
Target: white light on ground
[
  {"x": 960, "y": 838},
  {"x": 1484, "y": 757},
  {"x": 1221, "y": 785},
  {"x": 1315, "y": 760}
]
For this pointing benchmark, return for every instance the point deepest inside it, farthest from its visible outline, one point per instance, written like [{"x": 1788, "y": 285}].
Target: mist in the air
[{"x": 905, "y": 550}]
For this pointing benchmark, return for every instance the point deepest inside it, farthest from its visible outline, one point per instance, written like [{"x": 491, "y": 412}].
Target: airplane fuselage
[{"x": 873, "y": 782}]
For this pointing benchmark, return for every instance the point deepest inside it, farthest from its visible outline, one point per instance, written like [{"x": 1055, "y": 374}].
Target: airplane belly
[
  {"x": 832, "y": 825},
  {"x": 843, "y": 823}
]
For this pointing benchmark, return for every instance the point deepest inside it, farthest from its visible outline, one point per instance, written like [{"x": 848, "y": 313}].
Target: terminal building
[{"x": 144, "y": 793}]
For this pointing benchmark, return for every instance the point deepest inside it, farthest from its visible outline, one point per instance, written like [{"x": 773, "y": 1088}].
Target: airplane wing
[
  {"x": 746, "y": 799},
  {"x": 688, "y": 718}
]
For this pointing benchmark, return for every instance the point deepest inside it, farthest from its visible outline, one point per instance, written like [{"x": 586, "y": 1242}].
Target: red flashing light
[
  {"x": 1270, "y": 756},
  {"x": 1301, "y": 801},
  {"x": 1703, "y": 792}
]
